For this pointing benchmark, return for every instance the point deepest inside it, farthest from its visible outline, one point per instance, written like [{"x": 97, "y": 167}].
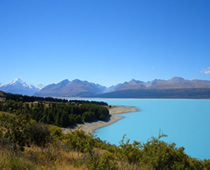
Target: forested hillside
[{"x": 55, "y": 111}]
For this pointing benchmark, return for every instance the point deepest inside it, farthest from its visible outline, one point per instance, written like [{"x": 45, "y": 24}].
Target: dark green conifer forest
[{"x": 59, "y": 112}]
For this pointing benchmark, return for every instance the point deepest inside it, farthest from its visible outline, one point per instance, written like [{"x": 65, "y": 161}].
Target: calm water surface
[{"x": 186, "y": 122}]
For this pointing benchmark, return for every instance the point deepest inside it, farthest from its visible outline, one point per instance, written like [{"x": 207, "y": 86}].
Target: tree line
[
  {"x": 60, "y": 114},
  {"x": 25, "y": 98}
]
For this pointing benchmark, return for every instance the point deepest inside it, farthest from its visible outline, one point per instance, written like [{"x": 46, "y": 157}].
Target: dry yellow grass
[
  {"x": 37, "y": 158},
  {"x": 55, "y": 158},
  {"x": 66, "y": 166},
  {"x": 3, "y": 112}
]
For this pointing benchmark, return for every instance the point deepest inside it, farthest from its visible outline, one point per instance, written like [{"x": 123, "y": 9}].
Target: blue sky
[{"x": 104, "y": 41}]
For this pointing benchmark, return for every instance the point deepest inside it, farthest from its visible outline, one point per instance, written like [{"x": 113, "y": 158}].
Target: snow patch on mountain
[
  {"x": 18, "y": 86},
  {"x": 19, "y": 82}
]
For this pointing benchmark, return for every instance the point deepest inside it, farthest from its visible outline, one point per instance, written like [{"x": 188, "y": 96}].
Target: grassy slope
[
  {"x": 34, "y": 157},
  {"x": 37, "y": 158},
  {"x": 57, "y": 155}
]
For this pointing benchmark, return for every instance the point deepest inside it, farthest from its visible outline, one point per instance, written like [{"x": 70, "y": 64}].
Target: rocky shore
[{"x": 91, "y": 127}]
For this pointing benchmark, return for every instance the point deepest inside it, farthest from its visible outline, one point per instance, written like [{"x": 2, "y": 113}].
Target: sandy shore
[{"x": 91, "y": 127}]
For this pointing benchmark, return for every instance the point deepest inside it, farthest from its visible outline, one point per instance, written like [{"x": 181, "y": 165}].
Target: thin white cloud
[{"x": 206, "y": 70}]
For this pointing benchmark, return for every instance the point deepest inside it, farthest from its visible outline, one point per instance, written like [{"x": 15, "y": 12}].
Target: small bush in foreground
[
  {"x": 103, "y": 162},
  {"x": 80, "y": 142},
  {"x": 40, "y": 134},
  {"x": 15, "y": 129}
]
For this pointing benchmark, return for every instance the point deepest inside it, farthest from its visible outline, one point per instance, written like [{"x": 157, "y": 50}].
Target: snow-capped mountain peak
[
  {"x": 18, "y": 81},
  {"x": 18, "y": 86}
]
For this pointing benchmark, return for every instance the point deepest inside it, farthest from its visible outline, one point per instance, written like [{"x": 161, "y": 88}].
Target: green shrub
[
  {"x": 130, "y": 153},
  {"x": 104, "y": 162},
  {"x": 158, "y": 154},
  {"x": 16, "y": 129},
  {"x": 56, "y": 132},
  {"x": 18, "y": 164},
  {"x": 40, "y": 134},
  {"x": 206, "y": 164},
  {"x": 80, "y": 142}
]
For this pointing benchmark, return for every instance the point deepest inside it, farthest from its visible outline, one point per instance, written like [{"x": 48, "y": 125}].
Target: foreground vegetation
[{"x": 27, "y": 142}]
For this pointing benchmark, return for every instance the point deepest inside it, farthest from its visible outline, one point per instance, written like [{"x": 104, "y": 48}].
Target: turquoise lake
[{"x": 185, "y": 121}]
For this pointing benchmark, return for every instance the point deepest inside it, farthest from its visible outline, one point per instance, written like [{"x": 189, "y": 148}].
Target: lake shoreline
[{"x": 89, "y": 128}]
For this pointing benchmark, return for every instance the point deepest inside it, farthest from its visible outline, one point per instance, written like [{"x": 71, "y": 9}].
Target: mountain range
[
  {"x": 176, "y": 87},
  {"x": 75, "y": 88}
]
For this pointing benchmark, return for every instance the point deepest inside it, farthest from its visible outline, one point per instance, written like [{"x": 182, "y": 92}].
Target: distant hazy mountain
[
  {"x": 133, "y": 84},
  {"x": 176, "y": 87},
  {"x": 178, "y": 83},
  {"x": 191, "y": 93},
  {"x": 174, "y": 83},
  {"x": 112, "y": 88},
  {"x": 75, "y": 88},
  {"x": 17, "y": 86}
]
